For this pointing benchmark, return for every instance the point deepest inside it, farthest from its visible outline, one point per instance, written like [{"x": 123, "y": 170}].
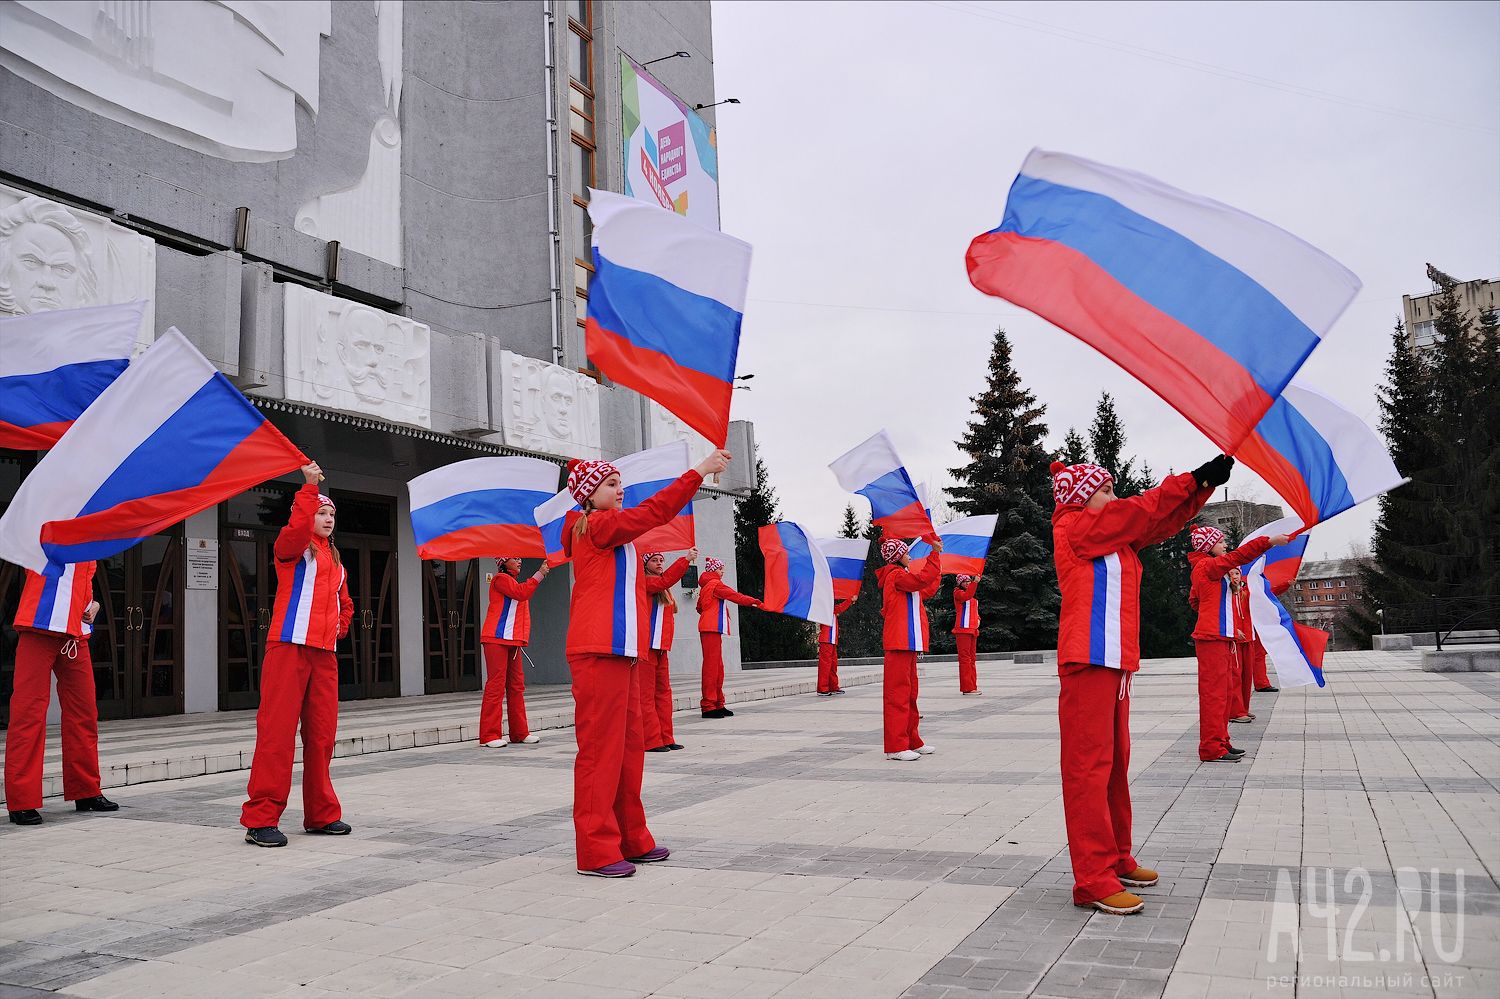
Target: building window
[
  {"x": 1424, "y": 334},
  {"x": 583, "y": 151}
]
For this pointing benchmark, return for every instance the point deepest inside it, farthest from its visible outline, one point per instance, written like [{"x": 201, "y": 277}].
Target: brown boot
[
  {"x": 1121, "y": 903},
  {"x": 1141, "y": 877}
]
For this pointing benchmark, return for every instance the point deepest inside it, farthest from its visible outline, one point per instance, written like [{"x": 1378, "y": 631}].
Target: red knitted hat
[
  {"x": 1204, "y": 537},
  {"x": 586, "y": 476},
  {"x": 1077, "y": 483}
]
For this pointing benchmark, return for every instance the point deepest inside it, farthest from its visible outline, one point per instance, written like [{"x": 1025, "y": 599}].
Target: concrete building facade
[
  {"x": 1418, "y": 312},
  {"x": 370, "y": 217},
  {"x": 1237, "y": 517},
  {"x": 1323, "y": 591}
]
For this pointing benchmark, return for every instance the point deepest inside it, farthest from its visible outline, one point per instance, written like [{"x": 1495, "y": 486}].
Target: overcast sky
[{"x": 876, "y": 139}]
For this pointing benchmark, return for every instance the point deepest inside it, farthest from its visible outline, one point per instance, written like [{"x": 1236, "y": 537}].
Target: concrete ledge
[
  {"x": 984, "y": 657},
  {"x": 1030, "y": 657},
  {"x": 1391, "y": 643},
  {"x": 1471, "y": 659}
]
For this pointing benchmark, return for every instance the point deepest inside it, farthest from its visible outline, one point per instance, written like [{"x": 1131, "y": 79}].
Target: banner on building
[{"x": 671, "y": 155}]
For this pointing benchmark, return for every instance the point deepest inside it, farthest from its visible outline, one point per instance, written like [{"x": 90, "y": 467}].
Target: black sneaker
[
  {"x": 265, "y": 836},
  {"x": 841, "y": 690},
  {"x": 675, "y": 745},
  {"x": 1226, "y": 758},
  {"x": 726, "y": 713},
  {"x": 334, "y": 828},
  {"x": 26, "y": 817},
  {"x": 1267, "y": 690},
  {"x": 716, "y": 713},
  {"x": 659, "y": 749},
  {"x": 1235, "y": 752},
  {"x": 98, "y": 803},
  {"x": 825, "y": 693}
]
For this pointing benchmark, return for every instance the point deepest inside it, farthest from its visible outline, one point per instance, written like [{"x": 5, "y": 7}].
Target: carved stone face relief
[{"x": 548, "y": 408}]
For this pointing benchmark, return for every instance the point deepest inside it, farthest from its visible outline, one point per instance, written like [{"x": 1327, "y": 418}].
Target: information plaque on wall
[{"x": 202, "y": 563}]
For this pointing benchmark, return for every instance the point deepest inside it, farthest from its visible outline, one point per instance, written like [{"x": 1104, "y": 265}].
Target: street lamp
[
  {"x": 675, "y": 55},
  {"x": 727, "y": 100}
]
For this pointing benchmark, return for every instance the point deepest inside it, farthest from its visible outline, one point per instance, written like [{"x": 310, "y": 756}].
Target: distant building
[
  {"x": 1323, "y": 590},
  {"x": 1420, "y": 311},
  {"x": 1237, "y": 518}
]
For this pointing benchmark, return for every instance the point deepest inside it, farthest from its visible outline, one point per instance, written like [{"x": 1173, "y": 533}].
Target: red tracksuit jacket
[
  {"x": 312, "y": 604},
  {"x": 1213, "y": 595},
  {"x": 1099, "y": 571},
  {"x": 609, "y": 613},
  {"x": 966, "y": 609},
  {"x": 508, "y": 621},
  {"x": 902, "y": 593},
  {"x": 57, "y": 603},
  {"x": 713, "y": 616},
  {"x": 664, "y": 616},
  {"x": 829, "y": 635}
]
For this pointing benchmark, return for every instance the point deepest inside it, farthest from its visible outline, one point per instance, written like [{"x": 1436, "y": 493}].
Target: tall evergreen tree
[
  {"x": 860, "y": 625},
  {"x": 764, "y": 635},
  {"x": 850, "y": 527},
  {"x": 1166, "y": 578},
  {"x": 1007, "y": 475},
  {"x": 1107, "y": 441},
  {"x": 1074, "y": 450}
]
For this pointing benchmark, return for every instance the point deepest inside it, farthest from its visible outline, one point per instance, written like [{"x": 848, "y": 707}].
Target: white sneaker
[
  {"x": 926, "y": 750},
  {"x": 495, "y": 743},
  {"x": 905, "y": 756},
  {"x": 531, "y": 740}
]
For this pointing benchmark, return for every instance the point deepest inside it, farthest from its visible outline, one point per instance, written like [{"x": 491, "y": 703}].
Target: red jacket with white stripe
[
  {"x": 901, "y": 594},
  {"x": 608, "y": 615},
  {"x": 312, "y": 604},
  {"x": 662, "y": 622},
  {"x": 508, "y": 621},
  {"x": 1215, "y": 596},
  {"x": 1099, "y": 571},
  {"x": 829, "y": 635},
  {"x": 713, "y": 616},
  {"x": 56, "y": 603},
  {"x": 966, "y": 608}
]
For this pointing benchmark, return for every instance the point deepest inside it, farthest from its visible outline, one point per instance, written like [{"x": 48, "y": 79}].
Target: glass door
[{"x": 450, "y": 625}]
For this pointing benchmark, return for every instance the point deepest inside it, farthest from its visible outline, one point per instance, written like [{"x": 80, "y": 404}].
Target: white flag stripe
[
  {"x": 1292, "y": 668},
  {"x": 1358, "y": 449},
  {"x": 852, "y": 548},
  {"x": 46, "y": 341},
  {"x": 476, "y": 474},
  {"x": 631, "y": 233},
  {"x": 978, "y": 526},
  {"x": 866, "y": 462},
  {"x": 667, "y": 461}
]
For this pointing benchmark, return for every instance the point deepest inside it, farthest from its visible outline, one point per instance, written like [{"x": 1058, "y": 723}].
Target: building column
[{"x": 200, "y": 618}]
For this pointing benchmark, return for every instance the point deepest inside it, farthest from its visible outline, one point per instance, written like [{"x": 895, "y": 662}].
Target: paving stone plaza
[{"x": 1353, "y": 853}]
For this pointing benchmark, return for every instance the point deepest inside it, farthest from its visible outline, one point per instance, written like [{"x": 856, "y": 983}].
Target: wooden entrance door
[
  {"x": 247, "y": 592},
  {"x": 369, "y": 660},
  {"x": 137, "y": 646},
  {"x": 450, "y": 625}
]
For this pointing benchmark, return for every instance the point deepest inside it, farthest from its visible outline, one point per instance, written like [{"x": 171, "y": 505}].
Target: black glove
[{"x": 1213, "y": 473}]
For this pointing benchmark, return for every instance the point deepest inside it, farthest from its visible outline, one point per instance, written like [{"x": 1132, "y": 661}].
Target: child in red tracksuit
[
  {"x": 507, "y": 629},
  {"x": 656, "y": 676},
  {"x": 1246, "y": 642},
  {"x": 299, "y": 677},
  {"x": 966, "y": 632},
  {"x": 607, "y": 635},
  {"x": 714, "y": 623},
  {"x": 905, "y": 634},
  {"x": 828, "y": 652},
  {"x": 53, "y": 624},
  {"x": 1095, "y": 539},
  {"x": 1214, "y": 599}
]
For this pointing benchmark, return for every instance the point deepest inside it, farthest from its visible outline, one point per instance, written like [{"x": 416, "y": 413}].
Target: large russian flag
[
  {"x": 966, "y": 542},
  {"x": 874, "y": 470},
  {"x": 481, "y": 507},
  {"x": 54, "y": 364},
  {"x": 170, "y": 437},
  {"x": 798, "y": 580},
  {"x": 1318, "y": 456},
  {"x": 1212, "y": 309},
  {"x": 665, "y": 306},
  {"x": 1295, "y": 650},
  {"x": 644, "y": 474},
  {"x": 846, "y": 563}
]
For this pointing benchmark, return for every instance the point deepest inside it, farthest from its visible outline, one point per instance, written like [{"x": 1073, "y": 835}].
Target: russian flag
[
  {"x": 966, "y": 542},
  {"x": 1318, "y": 456},
  {"x": 644, "y": 474},
  {"x": 170, "y": 437},
  {"x": 665, "y": 307},
  {"x": 54, "y": 364},
  {"x": 481, "y": 507},
  {"x": 846, "y": 563},
  {"x": 549, "y": 518},
  {"x": 1212, "y": 309},
  {"x": 874, "y": 471},
  {"x": 1295, "y": 650},
  {"x": 799, "y": 582}
]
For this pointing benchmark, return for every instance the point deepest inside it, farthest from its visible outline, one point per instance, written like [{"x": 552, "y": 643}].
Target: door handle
[
  {"x": 129, "y": 618},
  {"x": 367, "y": 619}
]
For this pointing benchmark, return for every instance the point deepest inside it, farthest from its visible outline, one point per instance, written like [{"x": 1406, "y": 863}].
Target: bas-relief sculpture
[
  {"x": 548, "y": 408},
  {"x": 664, "y": 428},
  {"x": 223, "y": 78},
  {"x": 56, "y": 257},
  {"x": 347, "y": 356}
]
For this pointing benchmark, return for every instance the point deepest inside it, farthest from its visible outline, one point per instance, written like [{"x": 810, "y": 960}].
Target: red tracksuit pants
[
  {"x": 609, "y": 821},
  {"x": 38, "y": 656},
  {"x": 713, "y": 670},
  {"x": 656, "y": 699},
  {"x": 504, "y": 693},
  {"x": 1258, "y": 664},
  {"x": 1218, "y": 679},
  {"x": 901, "y": 701},
  {"x": 1243, "y": 681},
  {"x": 1093, "y": 714},
  {"x": 828, "y": 668},
  {"x": 968, "y": 660},
  {"x": 297, "y": 683}
]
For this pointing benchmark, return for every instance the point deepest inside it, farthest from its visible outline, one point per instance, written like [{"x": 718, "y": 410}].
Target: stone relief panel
[
  {"x": 56, "y": 257},
  {"x": 223, "y": 78},
  {"x": 548, "y": 408},
  {"x": 348, "y": 356},
  {"x": 664, "y": 428}
]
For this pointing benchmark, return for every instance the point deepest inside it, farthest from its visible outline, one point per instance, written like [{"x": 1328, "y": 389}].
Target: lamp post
[{"x": 675, "y": 55}]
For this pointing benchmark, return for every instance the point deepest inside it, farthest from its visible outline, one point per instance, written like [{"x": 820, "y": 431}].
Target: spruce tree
[
  {"x": 1166, "y": 578},
  {"x": 764, "y": 635},
  {"x": 850, "y": 527},
  {"x": 1107, "y": 441},
  {"x": 1074, "y": 450},
  {"x": 861, "y": 625},
  {"x": 1007, "y": 474}
]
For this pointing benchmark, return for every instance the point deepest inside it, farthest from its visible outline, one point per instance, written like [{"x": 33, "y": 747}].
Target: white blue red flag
[
  {"x": 170, "y": 437},
  {"x": 1295, "y": 650},
  {"x": 644, "y": 474},
  {"x": 874, "y": 471},
  {"x": 798, "y": 580},
  {"x": 1212, "y": 309},
  {"x": 846, "y": 563},
  {"x": 482, "y": 507},
  {"x": 966, "y": 543},
  {"x": 54, "y": 364},
  {"x": 665, "y": 307},
  {"x": 1318, "y": 456}
]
